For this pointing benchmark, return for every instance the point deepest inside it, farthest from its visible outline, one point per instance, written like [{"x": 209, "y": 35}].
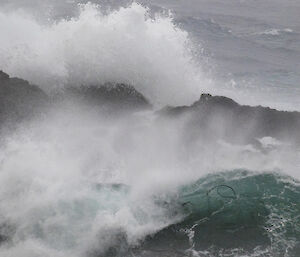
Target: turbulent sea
[{"x": 84, "y": 182}]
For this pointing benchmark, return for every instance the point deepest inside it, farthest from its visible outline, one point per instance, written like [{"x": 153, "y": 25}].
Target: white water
[
  {"x": 49, "y": 169},
  {"x": 49, "y": 174},
  {"x": 125, "y": 46}
]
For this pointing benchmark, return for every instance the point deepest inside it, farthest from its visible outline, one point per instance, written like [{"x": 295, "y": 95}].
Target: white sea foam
[
  {"x": 124, "y": 46},
  {"x": 276, "y": 32},
  {"x": 50, "y": 177},
  {"x": 53, "y": 174},
  {"x": 50, "y": 168}
]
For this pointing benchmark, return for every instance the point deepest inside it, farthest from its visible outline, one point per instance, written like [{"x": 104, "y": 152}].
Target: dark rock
[
  {"x": 211, "y": 117},
  {"x": 118, "y": 95},
  {"x": 3, "y": 76},
  {"x": 220, "y": 117},
  {"x": 19, "y": 99}
]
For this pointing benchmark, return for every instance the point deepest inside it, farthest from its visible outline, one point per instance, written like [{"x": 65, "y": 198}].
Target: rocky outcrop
[
  {"x": 19, "y": 100},
  {"x": 120, "y": 96},
  {"x": 211, "y": 117},
  {"x": 222, "y": 118}
]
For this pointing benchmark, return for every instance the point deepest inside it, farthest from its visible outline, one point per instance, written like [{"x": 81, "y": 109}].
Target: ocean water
[
  {"x": 249, "y": 49},
  {"x": 79, "y": 182}
]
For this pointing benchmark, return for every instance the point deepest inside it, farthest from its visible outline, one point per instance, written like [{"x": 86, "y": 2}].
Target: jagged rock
[
  {"x": 19, "y": 99},
  {"x": 117, "y": 95},
  {"x": 211, "y": 117},
  {"x": 3, "y": 76},
  {"x": 220, "y": 117}
]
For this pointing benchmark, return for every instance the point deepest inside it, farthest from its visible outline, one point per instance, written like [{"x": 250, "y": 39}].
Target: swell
[{"x": 232, "y": 214}]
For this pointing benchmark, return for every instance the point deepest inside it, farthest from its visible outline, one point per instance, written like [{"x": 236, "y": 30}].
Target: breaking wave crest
[
  {"x": 78, "y": 181},
  {"x": 124, "y": 46},
  {"x": 89, "y": 186}
]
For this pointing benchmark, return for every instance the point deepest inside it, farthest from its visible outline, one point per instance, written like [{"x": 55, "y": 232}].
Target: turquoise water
[
  {"x": 53, "y": 197},
  {"x": 236, "y": 213}
]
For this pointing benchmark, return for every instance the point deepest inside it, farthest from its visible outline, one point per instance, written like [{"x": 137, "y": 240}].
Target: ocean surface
[
  {"x": 83, "y": 183},
  {"x": 249, "y": 49}
]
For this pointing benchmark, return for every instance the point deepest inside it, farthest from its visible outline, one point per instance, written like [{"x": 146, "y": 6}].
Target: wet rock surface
[
  {"x": 117, "y": 95},
  {"x": 19, "y": 99},
  {"x": 222, "y": 118},
  {"x": 211, "y": 117}
]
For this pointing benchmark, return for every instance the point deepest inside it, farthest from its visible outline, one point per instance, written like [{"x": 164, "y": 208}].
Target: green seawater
[{"x": 235, "y": 213}]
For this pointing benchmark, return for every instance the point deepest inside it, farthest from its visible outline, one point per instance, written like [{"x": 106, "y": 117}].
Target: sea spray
[
  {"x": 123, "y": 46},
  {"x": 81, "y": 182},
  {"x": 91, "y": 184}
]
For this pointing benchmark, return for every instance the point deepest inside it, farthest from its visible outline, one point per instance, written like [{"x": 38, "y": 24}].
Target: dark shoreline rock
[
  {"x": 114, "y": 95},
  {"x": 19, "y": 100},
  {"x": 222, "y": 118},
  {"x": 211, "y": 117}
]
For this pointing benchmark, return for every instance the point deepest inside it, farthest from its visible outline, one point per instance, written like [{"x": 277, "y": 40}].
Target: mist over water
[
  {"x": 57, "y": 177},
  {"x": 81, "y": 181}
]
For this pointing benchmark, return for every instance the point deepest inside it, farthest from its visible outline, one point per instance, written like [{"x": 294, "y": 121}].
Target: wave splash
[
  {"x": 85, "y": 185},
  {"x": 124, "y": 46},
  {"x": 88, "y": 185}
]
